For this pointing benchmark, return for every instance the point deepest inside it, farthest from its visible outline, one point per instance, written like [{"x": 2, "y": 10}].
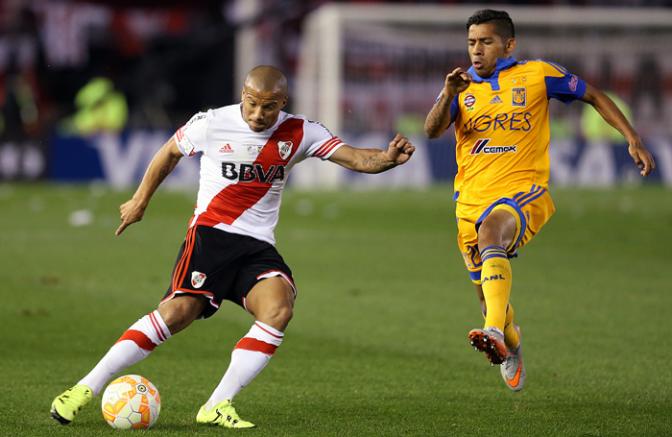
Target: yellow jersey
[{"x": 502, "y": 128}]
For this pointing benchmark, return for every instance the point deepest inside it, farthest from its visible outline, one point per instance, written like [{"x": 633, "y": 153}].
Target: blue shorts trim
[
  {"x": 523, "y": 222},
  {"x": 530, "y": 199},
  {"x": 534, "y": 191}
]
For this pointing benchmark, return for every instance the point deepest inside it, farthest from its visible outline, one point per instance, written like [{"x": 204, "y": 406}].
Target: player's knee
[
  {"x": 278, "y": 316},
  {"x": 488, "y": 235},
  {"x": 179, "y": 312},
  {"x": 498, "y": 229}
]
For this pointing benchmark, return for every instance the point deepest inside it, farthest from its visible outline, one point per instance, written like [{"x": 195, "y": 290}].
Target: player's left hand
[
  {"x": 130, "y": 212},
  {"x": 400, "y": 149},
  {"x": 642, "y": 157}
]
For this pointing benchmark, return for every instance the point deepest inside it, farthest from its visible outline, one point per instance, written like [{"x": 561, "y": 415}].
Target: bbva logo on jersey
[
  {"x": 285, "y": 149},
  {"x": 252, "y": 172}
]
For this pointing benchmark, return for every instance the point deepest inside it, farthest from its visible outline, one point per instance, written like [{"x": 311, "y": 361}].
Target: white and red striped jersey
[{"x": 244, "y": 172}]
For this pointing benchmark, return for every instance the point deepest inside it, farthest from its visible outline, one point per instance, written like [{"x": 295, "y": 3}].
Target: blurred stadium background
[
  {"x": 90, "y": 89},
  {"x": 88, "y": 92}
]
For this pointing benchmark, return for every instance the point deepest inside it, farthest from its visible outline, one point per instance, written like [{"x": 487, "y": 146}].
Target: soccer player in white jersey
[{"x": 246, "y": 152}]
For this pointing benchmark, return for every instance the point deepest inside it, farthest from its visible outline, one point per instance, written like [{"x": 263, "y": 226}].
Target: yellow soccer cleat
[
  {"x": 67, "y": 404},
  {"x": 222, "y": 414}
]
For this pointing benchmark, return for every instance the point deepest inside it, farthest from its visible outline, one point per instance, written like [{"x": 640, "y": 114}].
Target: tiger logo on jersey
[{"x": 518, "y": 97}]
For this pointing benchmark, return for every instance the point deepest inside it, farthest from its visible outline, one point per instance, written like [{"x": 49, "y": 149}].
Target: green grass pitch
[{"x": 378, "y": 343}]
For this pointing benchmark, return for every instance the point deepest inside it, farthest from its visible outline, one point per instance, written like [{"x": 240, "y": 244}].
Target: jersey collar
[{"x": 493, "y": 79}]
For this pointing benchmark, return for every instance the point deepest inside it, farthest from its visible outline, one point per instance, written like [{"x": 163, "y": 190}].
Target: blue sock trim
[
  {"x": 493, "y": 246},
  {"x": 494, "y": 255},
  {"x": 493, "y": 252}
]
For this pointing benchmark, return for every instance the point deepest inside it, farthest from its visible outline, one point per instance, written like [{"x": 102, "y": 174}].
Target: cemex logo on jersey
[
  {"x": 226, "y": 148},
  {"x": 480, "y": 146},
  {"x": 197, "y": 279}
]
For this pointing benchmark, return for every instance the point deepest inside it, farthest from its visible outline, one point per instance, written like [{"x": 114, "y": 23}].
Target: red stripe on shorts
[{"x": 181, "y": 268}]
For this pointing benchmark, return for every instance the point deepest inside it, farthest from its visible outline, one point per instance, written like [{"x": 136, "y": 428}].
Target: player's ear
[
  {"x": 510, "y": 45},
  {"x": 283, "y": 102}
]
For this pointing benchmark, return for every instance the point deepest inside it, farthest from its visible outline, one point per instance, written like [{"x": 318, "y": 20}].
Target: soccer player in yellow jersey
[{"x": 500, "y": 111}]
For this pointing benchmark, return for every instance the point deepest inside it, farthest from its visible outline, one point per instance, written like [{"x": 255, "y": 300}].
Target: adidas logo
[
  {"x": 226, "y": 148},
  {"x": 495, "y": 99}
]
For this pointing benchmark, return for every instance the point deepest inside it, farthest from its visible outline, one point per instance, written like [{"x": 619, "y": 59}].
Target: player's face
[
  {"x": 486, "y": 46},
  {"x": 261, "y": 109}
]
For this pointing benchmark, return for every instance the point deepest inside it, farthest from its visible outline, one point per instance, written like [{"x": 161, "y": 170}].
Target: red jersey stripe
[
  {"x": 235, "y": 199},
  {"x": 326, "y": 152},
  {"x": 252, "y": 344},
  {"x": 326, "y": 147}
]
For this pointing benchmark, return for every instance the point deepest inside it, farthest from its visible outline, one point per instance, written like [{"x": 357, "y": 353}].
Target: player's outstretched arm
[
  {"x": 398, "y": 152},
  {"x": 612, "y": 115},
  {"x": 163, "y": 162},
  {"x": 439, "y": 119}
]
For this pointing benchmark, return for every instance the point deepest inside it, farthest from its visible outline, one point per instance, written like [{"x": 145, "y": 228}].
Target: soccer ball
[{"x": 131, "y": 401}]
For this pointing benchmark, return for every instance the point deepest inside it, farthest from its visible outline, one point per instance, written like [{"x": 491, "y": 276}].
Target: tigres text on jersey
[{"x": 502, "y": 128}]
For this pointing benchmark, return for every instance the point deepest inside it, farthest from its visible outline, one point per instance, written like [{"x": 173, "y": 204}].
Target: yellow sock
[
  {"x": 510, "y": 334},
  {"x": 496, "y": 284}
]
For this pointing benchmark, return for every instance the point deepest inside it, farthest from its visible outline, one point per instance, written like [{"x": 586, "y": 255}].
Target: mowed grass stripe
[{"x": 377, "y": 345}]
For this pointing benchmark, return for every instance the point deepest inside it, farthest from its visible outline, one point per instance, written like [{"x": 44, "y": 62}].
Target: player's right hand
[
  {"x": 642, "y": 157},
  {"x": 131, "y": 212},
  {"x": 457, "y": 81},
  {"x": 400, "y": 150}
]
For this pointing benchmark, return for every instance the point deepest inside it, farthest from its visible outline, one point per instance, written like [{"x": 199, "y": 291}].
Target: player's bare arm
[
  {"x": 398, "y": 152},
  {"x": 162, "y": 164},
  {"x": 612, "y": 115},
  {"x": 438, "y": 119}
]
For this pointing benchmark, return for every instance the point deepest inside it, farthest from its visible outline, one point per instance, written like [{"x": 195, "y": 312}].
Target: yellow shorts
[{"x": 532, "y": 209}]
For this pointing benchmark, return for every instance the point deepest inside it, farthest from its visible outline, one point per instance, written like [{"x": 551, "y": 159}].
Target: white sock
[
  {"x": 135, "y": 344},
  {"x": 248, "y": 358}
]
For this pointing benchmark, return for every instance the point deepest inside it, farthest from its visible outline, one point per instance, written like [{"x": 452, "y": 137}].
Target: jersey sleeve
[
  {"x": 561, "y": 84},
  {"x": 320, "y": 143},
  {"x": 193, "y": 136},
  {"x": 454, "y": 106}
]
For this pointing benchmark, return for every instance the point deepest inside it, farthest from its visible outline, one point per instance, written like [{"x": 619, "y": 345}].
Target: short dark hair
[{"x": 501, "y": 20}]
